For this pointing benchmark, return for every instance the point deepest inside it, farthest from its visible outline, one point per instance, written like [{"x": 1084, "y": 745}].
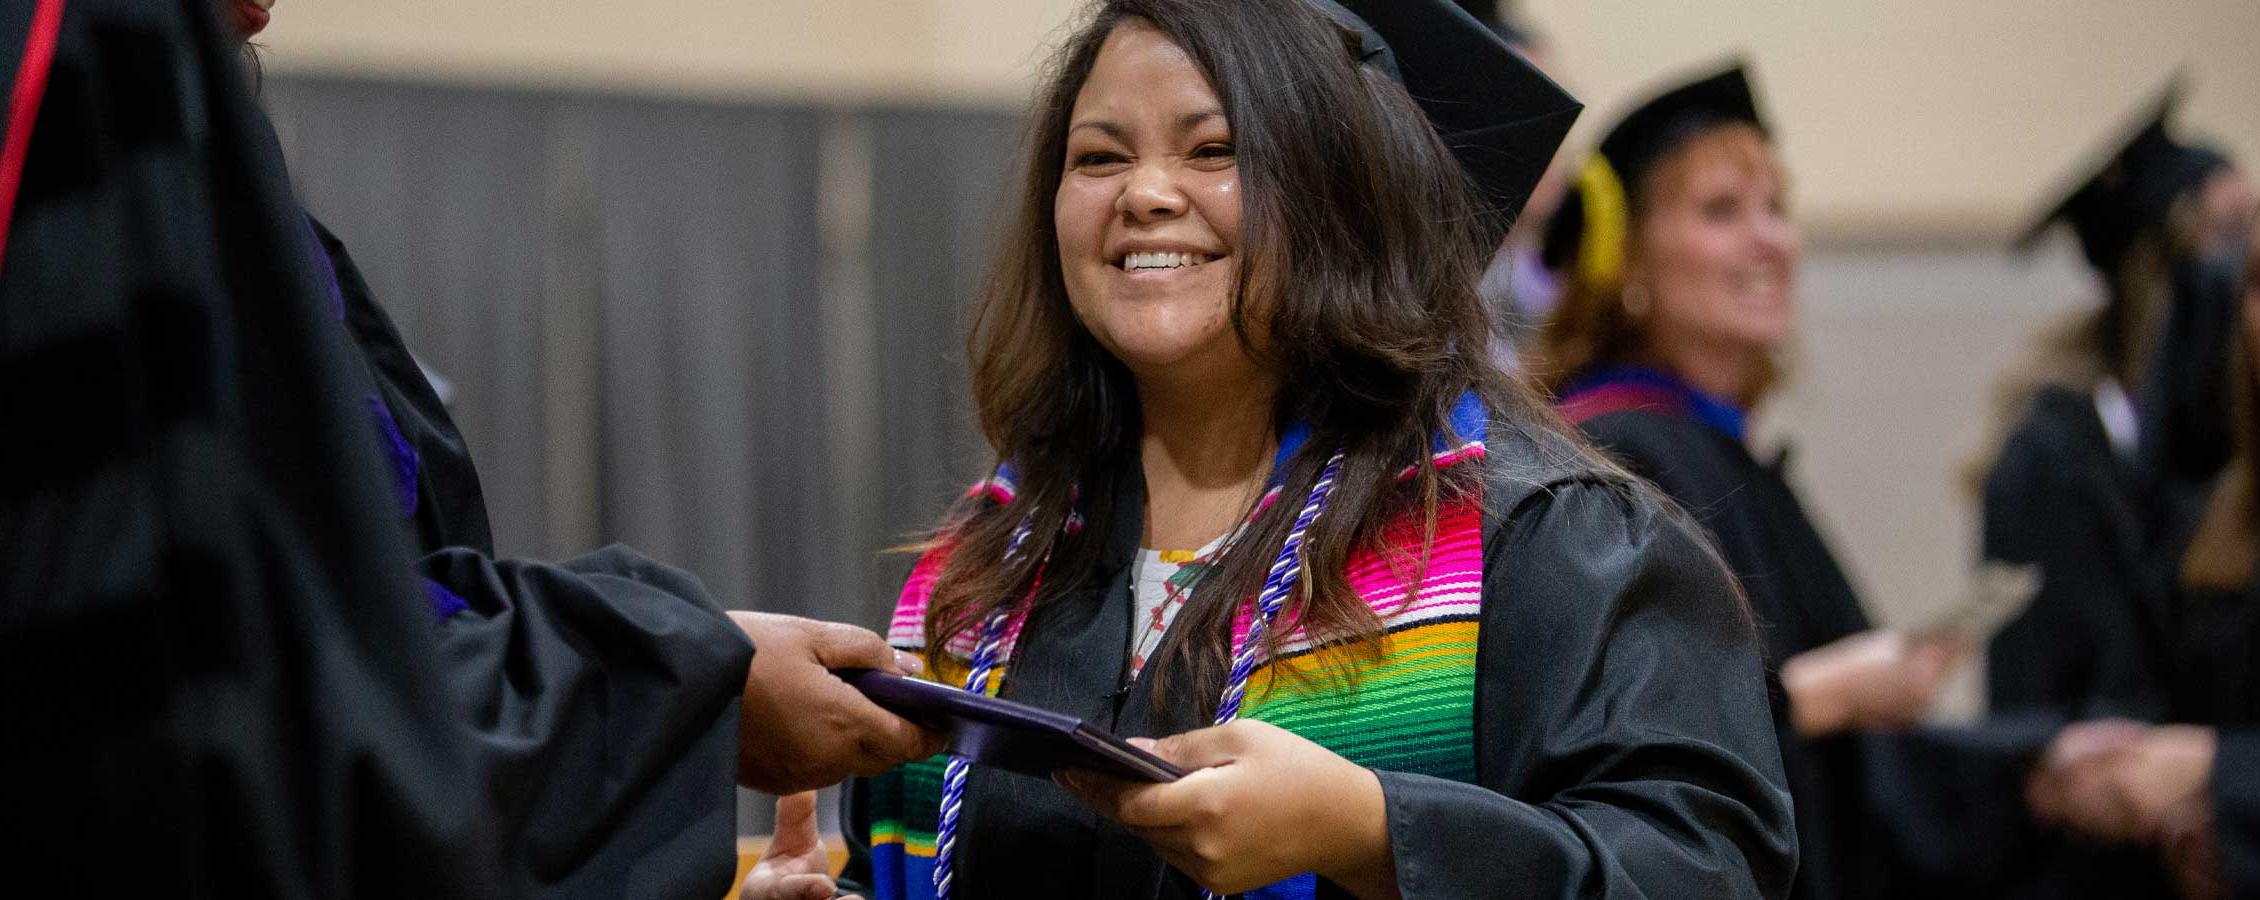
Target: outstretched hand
[{"x": 799, "y": 726}]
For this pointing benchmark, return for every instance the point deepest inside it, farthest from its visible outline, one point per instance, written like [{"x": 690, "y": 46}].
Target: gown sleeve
[
  {"x": 1943, "y": 811},
  {"x": 601, "y": 694},
  {"x": 1625, "y": 743},
  {"x": 2235, "y": 790}
]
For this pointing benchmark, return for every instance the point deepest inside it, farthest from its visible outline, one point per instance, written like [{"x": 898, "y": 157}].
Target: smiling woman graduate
[{"x": 1235, "y": 368}]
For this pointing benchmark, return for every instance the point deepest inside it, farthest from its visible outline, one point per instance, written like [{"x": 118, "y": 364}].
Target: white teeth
[{"x": 1137, "y": 261}]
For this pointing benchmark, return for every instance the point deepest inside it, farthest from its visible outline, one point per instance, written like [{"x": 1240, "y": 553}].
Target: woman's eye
[
  {"x": 1098, "y": 159},
  {"x": 1719, "y": 209},
  {"x": 1213, "y": 151}
]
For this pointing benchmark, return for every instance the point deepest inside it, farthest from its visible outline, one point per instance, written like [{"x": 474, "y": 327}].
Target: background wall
[
  {"x": 1907, "y": 116},
  {"x": 697, "y": 268},
  {"x": 1928, "y": 118},
  {"x": 686, "y": 325}
]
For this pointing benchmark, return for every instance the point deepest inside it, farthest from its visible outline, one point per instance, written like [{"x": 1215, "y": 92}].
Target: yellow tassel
[{"x": 1600, "y": 250}]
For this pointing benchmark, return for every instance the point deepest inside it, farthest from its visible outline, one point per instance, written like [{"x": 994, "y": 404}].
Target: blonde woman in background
[{"x": 1679, "y": 264}]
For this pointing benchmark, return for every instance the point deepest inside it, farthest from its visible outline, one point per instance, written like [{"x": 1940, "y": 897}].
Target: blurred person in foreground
[
  {"x": 222, "y": 673},
  {"x": 1236, "y": 368}
]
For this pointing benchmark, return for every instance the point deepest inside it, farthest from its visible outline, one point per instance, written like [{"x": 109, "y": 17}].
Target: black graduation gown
[
  {"x": 2235, "y": 791},
  {"x": 2060, "y": 497},
  {"x": 1801, "y": 598},
  {"x": 2208, "y": 673},
  {"x": 1622, "y": 739},
  {"x": 214, "y": 669},
  {"x": 2210, "y": 668},
  {"x": 218, "y": 670},
  {"x": 2111, "y": 633},
  {"x": 1878, "y": 815},
  {"x": 2187, "y": 431},
  {"x": 449, "y": 509}
]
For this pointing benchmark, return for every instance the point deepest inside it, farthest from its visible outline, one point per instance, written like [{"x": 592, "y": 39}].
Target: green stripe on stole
[{"x": 1409, "y": 709}]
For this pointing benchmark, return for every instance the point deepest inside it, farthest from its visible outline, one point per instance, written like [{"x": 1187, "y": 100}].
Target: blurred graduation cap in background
[{"x": 2126, "y": 187}]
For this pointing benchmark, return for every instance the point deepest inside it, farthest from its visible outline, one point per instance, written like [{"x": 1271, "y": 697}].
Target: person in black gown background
[
  {"x": 2190, "y": 789},
  {"x": 218, "y": 662},
  {"x": 2119, "y": 424},
  {"x": 1679, "y": 263}
]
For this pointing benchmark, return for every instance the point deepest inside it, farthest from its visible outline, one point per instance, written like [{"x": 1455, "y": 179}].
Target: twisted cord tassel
[
  {"x": 985, "y": 653},
  {"x": 1280, "y": 582}
]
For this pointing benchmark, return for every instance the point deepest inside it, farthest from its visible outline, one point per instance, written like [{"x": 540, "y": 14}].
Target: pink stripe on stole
[
  {"x": 1454, "y": 566},
  {"x": 908, "y": 624},
  {"x": 1593, "y": 403}
]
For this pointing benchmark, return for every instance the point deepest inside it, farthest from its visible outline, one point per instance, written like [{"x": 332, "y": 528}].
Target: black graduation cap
[
  {"x": 1649, "y": 133},
  {"x": 1499, "y": 115},
  {"x": 1489, "y": 13},
  {"x": 2127, "y": 187}
]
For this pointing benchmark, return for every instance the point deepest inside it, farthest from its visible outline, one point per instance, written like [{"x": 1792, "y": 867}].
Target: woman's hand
[
  {"x": 795, "y": 865},
  {"x": 1260, "y": 805},
  {"x": 1879, "y": 679}
]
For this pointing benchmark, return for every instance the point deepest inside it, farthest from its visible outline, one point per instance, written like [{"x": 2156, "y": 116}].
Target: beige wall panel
[
  {"x": 960, "y": 51},
  {"x": 1930, "y": 117}
]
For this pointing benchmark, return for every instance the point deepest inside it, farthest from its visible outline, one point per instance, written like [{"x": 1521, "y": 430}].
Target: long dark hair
[
  {"x": 2224, "y": 550},
  {"x": 1360, "y": 239}
]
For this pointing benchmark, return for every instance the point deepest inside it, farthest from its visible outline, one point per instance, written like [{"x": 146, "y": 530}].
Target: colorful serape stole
[{"x": 1409, "y": 707}]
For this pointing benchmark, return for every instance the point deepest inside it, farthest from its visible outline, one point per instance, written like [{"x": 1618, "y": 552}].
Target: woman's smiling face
[
  {"x": 1716, "y": 249},
  {"x": 1147, "y": 215}
]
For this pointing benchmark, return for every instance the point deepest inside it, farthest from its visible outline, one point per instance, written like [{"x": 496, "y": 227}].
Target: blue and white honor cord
[
  {"x": 1278, "y": 584},
  {"x": 985, "y": 653}
]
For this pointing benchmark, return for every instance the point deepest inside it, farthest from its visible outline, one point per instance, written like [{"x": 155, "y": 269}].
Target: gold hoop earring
[{"x": 1635, "y": 301}]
